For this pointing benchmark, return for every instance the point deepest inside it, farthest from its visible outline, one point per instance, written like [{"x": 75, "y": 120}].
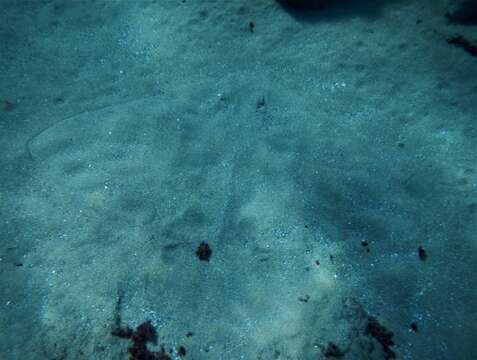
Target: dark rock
[
  {"x": 145, "y": 333},
  {"x": 302, "y": 4},
  {"x": 382, "y": 336},
  {"x": 413, "y": 327},
  {"x": 140, "y": 337},
  {"x": 422, "y": 253},
  {"x": 204, "y": 251},
  {"x": 181, "y": 351},
  {"x": 261, "y": 104}
]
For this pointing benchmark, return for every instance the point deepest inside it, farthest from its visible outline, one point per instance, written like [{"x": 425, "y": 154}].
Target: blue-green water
[{"x": 255, "y": 180}]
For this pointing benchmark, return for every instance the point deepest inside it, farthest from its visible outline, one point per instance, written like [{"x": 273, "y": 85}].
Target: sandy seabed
[{"x": 314, "y": 153}]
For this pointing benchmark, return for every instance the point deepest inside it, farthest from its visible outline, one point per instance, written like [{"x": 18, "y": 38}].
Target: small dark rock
[
  {"x": 302, "y": 4},
  {"x": 422, "y": 253},
  {"x": 413, "y": 327},
  {"x": 143, "y": 334},
  {"x": 260, "y": 103},
  {"x": 181, "y": 351},
  {"x": 204, "y": 251}
]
